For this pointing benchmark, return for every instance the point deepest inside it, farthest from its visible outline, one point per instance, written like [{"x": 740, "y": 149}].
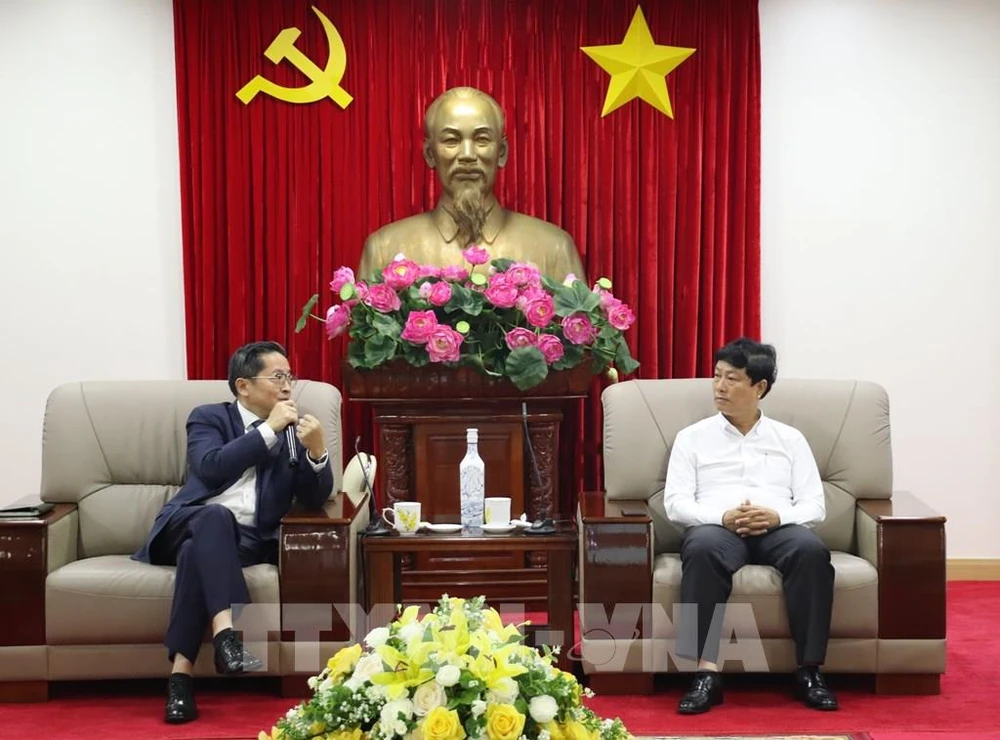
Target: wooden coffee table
[{"x": 382, "y": 557}]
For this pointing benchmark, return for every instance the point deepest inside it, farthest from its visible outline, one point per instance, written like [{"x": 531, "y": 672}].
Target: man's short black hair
[
  {"x": 248, "y": 361},
  {"x": 760, "y": 361}
]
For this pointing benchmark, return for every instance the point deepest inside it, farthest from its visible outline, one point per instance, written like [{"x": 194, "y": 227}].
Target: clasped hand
[
  {"x": 308, "y": 429},
  {"x": 748, "y": 520}
]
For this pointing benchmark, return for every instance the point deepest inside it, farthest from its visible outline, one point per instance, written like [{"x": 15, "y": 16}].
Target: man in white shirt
[
  {"x": 244, "y": 470},
  {"x": 746, "y": 489}
]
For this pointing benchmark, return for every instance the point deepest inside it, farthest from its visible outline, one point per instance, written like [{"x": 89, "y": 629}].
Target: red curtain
[{"x": 276, "y": 196}]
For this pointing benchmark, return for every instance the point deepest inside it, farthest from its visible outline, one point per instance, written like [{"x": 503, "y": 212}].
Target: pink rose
[
  {"x": 401, "y": 274},
  {"x": 444, "y": 344},
  {"x": 501, "y": 292},
  {"x": 382, "y": 298},
  {"x": 341, "y": 277},
  {"x": 361, "y": 292},
  {"x": 454, "y": 273},
  {"x": 337, "y": 319},
  {"x": 476, "y": 255},
  {"x": 551, "y": 347},
  {"x": 528, "y": 295},
  {"x": 520, "y": 337},
  {"x": 607, "y": 300},
  {"x": 578, "y": 329},
  {"x": 420, "y": 325},
  {"x": 620, "y": 316},
  {"x": 540, "y": 310},
  {"x": 425, "y": 271},
  {"x": 523, "y": 275},
  {"x": 440, "y": 294},
  {"x": 425, "y": 290}
]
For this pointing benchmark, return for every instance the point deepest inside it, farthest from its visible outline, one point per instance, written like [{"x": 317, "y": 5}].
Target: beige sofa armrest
[
  {"x": 616, "y": 559},
  {"x": 905, "y": 540}
]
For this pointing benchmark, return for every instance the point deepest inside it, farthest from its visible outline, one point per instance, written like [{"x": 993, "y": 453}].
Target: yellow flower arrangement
[{"x": 457, "y": 673}]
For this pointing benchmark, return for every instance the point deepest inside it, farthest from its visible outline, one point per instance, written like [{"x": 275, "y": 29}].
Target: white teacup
[
  {"x": 496, "y": 510},
  {"x": 405, "y": 516}
]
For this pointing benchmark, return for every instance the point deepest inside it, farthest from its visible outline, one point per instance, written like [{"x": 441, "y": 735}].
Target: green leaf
[
  {"x": 572, "y": 356},
  {"x": 624, "y": 361},
  {"x": 526, "y": 367},
  {"x": 306, "y": 311},
  {"x": 386, "y": 325},
  {"x": 574, "y": 298},
  {"x": 502, "y": 264},
  {"x": 356, "y": 354},
  {"x": 465, "y": 300},
  {"x": 550, "y": 285},
  {"x": 379, "y": 349},
  {"x": 416, "y": 355}
]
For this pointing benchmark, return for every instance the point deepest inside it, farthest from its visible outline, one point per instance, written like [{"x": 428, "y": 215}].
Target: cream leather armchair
[
  {"x": 74, "y": 605},
  {"x": 888, "y": 548}
]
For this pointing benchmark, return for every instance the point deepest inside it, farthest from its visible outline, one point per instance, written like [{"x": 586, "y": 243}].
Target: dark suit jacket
[{"x": 218, "y": 452}]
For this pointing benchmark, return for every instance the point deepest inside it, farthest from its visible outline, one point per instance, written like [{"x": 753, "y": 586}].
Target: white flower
[
  {"x": 412, "y": 631},
  {"x": 312, "y": 682},
  {"x": 367, "y": 667},
  {"x": 390, "y": 715},
  {"x": 478, "y": 707},
  {"x": 544, "y": 735},
  {"x": 505, "y": 692},
  {"x": 448, "y": 675},
  {"x": 543, "y": 708},
  {"x": 428, "y": 696},
  {"x": 377, "y": 637}
]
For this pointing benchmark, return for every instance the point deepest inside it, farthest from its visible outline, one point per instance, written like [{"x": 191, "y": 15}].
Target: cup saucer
[
  {"x": 441, "y": 528},
  {"x": 498, "y": 528}
]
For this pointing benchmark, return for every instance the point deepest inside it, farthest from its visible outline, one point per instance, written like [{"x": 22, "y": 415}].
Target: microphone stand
[{"x": 377, "y": 526}]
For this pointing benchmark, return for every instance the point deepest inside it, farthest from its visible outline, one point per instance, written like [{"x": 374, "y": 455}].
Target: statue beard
[{"x": 470, "y": 213}]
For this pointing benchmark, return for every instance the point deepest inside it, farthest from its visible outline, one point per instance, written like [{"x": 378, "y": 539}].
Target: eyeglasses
[{"x": 278, "y": 378}]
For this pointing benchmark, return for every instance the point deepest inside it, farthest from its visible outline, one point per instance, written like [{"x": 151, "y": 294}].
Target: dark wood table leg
[
  {"x": 383, "y": 586},
  {"x": 560, "y": 578}
]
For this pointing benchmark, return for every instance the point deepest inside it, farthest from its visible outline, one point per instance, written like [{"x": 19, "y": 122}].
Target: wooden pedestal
[{"x": 421, "y": 416}]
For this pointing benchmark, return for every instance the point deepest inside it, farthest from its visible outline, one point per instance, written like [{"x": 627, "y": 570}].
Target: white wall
[
  {"x": 881, "y": 228},
  {"x": 91, "y": 285}
]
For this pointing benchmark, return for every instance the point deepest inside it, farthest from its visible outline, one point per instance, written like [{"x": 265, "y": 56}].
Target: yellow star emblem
[{"x": 638, "y": 67}]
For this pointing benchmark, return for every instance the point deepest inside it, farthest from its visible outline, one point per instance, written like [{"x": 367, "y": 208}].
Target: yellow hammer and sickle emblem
[{"x": 325, "y": 82}]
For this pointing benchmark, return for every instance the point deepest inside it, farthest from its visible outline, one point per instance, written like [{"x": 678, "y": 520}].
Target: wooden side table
[{"x": 382, "y": 557}]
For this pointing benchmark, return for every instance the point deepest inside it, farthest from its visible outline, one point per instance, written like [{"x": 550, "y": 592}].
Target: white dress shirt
[
  {"x": 241, "y": 497},
  {"x": 714, "y": 468}
]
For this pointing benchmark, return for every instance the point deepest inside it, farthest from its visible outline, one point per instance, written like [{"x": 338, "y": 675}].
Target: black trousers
[
  {"x": 710, "y": 554},
  {"x": 210, "y": 550}
]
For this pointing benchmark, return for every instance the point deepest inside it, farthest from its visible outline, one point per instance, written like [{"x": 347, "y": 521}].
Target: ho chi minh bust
[{"x": 465, "y": 143}]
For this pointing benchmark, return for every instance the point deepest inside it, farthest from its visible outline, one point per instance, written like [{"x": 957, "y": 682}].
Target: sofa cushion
[
  {"x": 112, "y": 599},
  {"x": 855, "y": 598}
]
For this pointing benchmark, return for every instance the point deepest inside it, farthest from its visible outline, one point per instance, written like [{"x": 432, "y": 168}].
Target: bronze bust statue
[{"x": 465, "y": 143}]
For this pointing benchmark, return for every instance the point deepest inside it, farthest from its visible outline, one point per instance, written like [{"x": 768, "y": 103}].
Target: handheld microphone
[{"x": 293, "y": 452}]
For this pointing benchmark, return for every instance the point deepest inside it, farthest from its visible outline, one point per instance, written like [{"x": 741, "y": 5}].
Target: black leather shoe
[
  {"x": 231, "y": 657},
  {"x": 811, "y": 689},
  {"x": 180, "y": 700},
  {"x": 705, "y": 693}
]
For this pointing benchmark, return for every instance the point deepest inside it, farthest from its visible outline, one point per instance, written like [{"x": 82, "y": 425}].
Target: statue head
[{"x": 465, "y": 143}]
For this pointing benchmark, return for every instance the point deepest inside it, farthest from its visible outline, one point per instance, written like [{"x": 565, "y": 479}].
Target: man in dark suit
[{"x": 241, "y": 480}]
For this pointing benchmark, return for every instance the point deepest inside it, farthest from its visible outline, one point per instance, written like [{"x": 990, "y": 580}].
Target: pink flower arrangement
[{"x": 501, "y": 317}]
